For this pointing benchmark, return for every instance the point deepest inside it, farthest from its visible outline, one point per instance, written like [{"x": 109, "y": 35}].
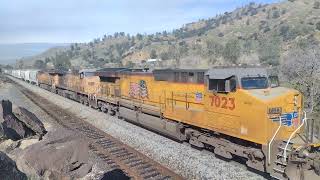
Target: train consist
[{"x": 234, "y": 112}]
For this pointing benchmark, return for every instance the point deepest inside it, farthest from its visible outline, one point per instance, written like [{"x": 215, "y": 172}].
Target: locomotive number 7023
[{"x": 223, "y": 102}]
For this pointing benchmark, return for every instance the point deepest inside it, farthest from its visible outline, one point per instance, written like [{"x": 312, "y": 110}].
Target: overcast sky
[{"x": 23, "y": 21}]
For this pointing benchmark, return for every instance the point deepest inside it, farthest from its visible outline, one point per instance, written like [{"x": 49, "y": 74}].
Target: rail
[
  {"x": 275, "y": 134},
  {"x": 304, "y": 121}
]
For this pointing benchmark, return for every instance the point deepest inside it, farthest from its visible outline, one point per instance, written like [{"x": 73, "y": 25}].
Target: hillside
[
  {"x": 254, "y": 34},
  {"x": 9, "y": 53}
]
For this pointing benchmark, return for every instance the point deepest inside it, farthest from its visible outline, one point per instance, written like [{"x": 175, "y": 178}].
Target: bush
[
  {"x": 153, "y": 54},
  {"x": 316, "y": 5},
  {"x": 269, "y": 50},
  {"x": 318, "y": 26},
  {"x": 164, "y": 56},
  {"x": 275, "y": 14},
  {"x": 221, "y": 34},
  {"x": 231, "y": 51},
  {"x": 39, "y": 64}
]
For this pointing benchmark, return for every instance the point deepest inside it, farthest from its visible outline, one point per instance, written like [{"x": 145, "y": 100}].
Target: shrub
[
  {"x": 275, "y": 14},
  {"x": 316, "y": 5},
  {"x": 232, "y": 51},
  {"x": 318, "y": 26}
]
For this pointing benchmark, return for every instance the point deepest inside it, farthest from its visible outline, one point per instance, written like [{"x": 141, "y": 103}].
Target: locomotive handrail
[
  {"x": 304, "y": 121},
  {"x": 269, "y": 145}
]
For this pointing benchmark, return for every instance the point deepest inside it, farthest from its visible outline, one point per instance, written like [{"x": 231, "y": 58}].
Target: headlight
[{"x": 275, "y": 110}]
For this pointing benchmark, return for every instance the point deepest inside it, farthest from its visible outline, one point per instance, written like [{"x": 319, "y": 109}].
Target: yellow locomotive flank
[
  {"x": 239, "y": 113},
  {"x": 234, "y": 110},
  {"x": 242, "y": 113}
]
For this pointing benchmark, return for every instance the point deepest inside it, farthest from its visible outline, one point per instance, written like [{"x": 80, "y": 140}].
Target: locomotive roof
[
  {"x": 224, "y": 73},
  {"x": 114, "y": 72},
  {"x": 156, "y": 71},
  {"x": 56, "y": 71}
]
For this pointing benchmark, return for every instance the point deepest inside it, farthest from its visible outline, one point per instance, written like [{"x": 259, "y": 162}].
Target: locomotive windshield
[{"x": 254, "y": 83}]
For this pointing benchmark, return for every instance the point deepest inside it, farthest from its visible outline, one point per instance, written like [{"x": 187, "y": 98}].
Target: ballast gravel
[{"x": 181, "y": 158}]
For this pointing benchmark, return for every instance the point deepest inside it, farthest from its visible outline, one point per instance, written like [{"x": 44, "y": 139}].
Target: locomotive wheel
[{"x": 112, "y": 112}]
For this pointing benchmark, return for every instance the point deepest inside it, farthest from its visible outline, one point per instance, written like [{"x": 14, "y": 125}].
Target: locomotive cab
[{"x": 232, "y": 92}]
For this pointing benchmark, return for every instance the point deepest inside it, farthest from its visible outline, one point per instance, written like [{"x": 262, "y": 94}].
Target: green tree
[
  {"x": 130, "y": 64},
  {"x": 47, "y": 59},
  {"x": 214, "y": 49},
  {"x": 275, "y": 14},
  {"x": 139, "y": 37},
  {"x": 164, "y": 56},
  {"x": 269, "y": 50},
  {"x": 318, "y": 26},
  {"x": 62, "y": 61},
  {"x": 232, "y": 51},
  {"x": 20, "y": 64},
  {"x": 316, "y": 5},
  {"x": 153, "y": 54},
  {"x": 39, "y": 64},
  {"x": 164, "y": 33}
]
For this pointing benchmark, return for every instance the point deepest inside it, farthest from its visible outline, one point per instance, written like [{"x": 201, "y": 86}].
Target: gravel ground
[{"x": 184, "y": 160}]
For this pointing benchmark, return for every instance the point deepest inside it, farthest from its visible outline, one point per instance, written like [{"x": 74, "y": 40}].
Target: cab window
[
  {"x": 223, "y": 85},
  {"x": 254, "y": 83}
]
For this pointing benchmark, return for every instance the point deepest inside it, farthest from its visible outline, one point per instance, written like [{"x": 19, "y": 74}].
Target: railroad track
[{"x": 114, "y": 153}]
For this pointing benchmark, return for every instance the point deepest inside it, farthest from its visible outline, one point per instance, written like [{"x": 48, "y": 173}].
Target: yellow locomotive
[{"x": 235, "y": 112}]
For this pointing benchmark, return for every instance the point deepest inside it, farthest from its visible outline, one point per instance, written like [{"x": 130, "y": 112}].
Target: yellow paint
[
  {"x": 242, "y": 114},
  {"x": 247, "y": 118}
]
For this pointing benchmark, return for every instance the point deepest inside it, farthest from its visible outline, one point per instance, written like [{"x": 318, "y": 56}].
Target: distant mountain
[{"x": 9, "y": 53}]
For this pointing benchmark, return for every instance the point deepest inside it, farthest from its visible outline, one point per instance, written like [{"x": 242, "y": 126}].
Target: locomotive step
[{"x": 281, "y": 163}]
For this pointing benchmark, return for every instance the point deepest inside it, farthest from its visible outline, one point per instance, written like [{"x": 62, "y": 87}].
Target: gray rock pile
[
  {"x": 8, "y": 169},
  {"x": 18, "y": 123}
]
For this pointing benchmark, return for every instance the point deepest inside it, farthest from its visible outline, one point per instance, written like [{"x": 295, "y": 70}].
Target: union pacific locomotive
[{"x": 235, "y": 112}]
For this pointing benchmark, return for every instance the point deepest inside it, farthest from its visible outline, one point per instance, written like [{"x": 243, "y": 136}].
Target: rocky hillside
[{"x": 254, "y": 34}]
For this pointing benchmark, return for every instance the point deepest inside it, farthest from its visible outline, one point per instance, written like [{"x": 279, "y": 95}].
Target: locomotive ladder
[
  {"x": 283, "y": 150},
  {"x": 281, "y": 161}
]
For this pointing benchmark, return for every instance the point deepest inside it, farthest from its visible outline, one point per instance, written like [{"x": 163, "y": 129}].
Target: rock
[
  {"x": 8, "y": 146},
  {"x": 2, "y": 136},
  {"x": 27, "y": 142},
  {"x": 8, "y": 169},
  {"x": 50, "y": 175},
  {"x": 30, "y": 120},
  {"x": 15, "y": 129},
  {"x": 62, "y": 151},
  {"x": 116, "y": 174},
  {"x": 5, "y": 109}
]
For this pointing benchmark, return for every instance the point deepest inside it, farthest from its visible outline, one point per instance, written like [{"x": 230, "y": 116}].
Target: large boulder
[
  {"x": 18, "y": 123},
  {"x": 15, "y": 129},
  {"x": 5, "y": 109},
  {"x": 61, "y": 153},
  {"x": 30, "y": 120},
  {"x": 2, "y": 135},
  {"x": 8, "y": 169}
]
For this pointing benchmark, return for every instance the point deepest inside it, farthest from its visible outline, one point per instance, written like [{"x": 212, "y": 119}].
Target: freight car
[{"x": 235, "y": 112}]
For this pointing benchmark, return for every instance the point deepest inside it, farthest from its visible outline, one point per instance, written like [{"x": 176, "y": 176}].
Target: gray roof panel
[{"x": 224, "y": 73}]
